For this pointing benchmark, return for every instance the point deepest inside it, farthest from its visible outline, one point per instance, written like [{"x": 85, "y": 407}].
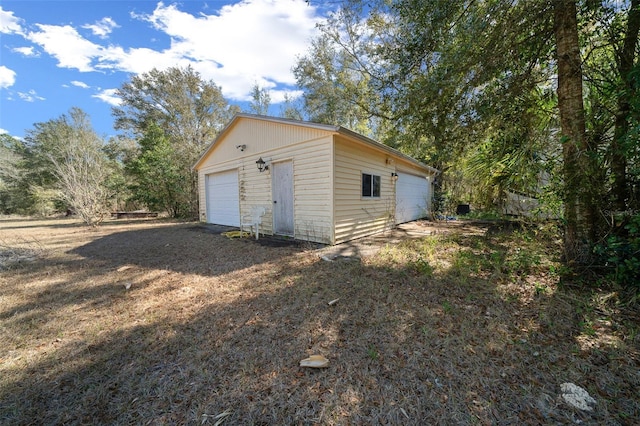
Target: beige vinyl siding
[
  {"x": 275, "y": 142},
  {"x": 327, "y": 163},
  {"x": 259, "y": 137},
  {"x": 255, "y": 190},
  {"x": 357, "y": 216},
  {"x": 313, "y": 204},
  {"x": 311, "y": 189}
]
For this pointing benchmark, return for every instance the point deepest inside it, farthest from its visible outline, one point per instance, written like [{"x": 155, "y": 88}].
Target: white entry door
[
  {"x": 223, "y": 201},
  {"x": 282, "y": 181}
]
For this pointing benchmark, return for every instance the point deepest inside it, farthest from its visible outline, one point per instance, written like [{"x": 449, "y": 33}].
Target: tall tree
[
  {"x": 36, "y": 188},
  {"x": 260, "y": 100},
  {"x": 62, "y": 165},
  {"x": 579, "y": 209},
  {"x": 9, "y": 173},
  {"x": 291, "y": 108},
  {"x": 159, "y": 181},
  {"x": 8, "y": 157},
  {"x": 81, "y": 167},
  {"x": 500, "y": 85},
  {"x": 337, "y": 87},
  {"x": 623, "y": 141},
  {"x": 189, "y": 110},
  {"x": 121, "y": 151}
]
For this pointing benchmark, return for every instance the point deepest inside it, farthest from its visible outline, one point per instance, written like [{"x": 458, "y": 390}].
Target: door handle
[{"x": 275, "y": 202}]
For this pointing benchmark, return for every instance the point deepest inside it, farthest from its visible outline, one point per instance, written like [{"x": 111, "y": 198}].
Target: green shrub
[
  {"x": 422, "y": 266},
  {"x": 620, "y": 255}
]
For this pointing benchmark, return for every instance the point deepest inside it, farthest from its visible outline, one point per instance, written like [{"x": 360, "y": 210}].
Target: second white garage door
[
  {"x": 223, "y": 200},
  {"x": 412, "y": 195}
]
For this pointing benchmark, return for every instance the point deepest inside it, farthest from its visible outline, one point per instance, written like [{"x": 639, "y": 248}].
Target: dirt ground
[
  {"x": 369, "y": 246},
  {"x": 162, "y": 322}
]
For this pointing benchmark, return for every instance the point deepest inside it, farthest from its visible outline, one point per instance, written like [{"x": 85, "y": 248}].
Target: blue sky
[{"x": 55, "y": 55}]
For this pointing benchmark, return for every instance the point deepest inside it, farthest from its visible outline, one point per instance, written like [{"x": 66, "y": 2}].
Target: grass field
[{"x": 159, "y": 322}]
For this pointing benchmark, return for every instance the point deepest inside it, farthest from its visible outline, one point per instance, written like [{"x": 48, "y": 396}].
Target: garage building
[{"x": 310, "y": 181}]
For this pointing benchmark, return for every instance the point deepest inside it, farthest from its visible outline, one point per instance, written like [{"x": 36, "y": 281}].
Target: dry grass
[{"x": 444, "y": 329}]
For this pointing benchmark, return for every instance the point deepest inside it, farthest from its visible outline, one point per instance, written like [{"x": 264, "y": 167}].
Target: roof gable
[
  {"x": 262, "y": 133},
  {"x": 316, "y": 128}
]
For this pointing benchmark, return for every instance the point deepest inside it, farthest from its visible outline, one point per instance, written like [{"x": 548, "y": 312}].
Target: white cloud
[
  {"x": 26, "y": 51},
  {"x": 9, "y": 24},
  {"x": 109, "y": 96},
  {"x": 3, "y": 131},
  {"x": 7, "y": 77},
  {"x": 30, "y": 96},
  {"x": 138, "y": 60},
  {"x": 243, "y": 43},
  {"x": 67, "y": 46},
  {"x": 80, "y": 84},
  {"x": 278, "y": 96},
  {"x": 102, "y": 28}
]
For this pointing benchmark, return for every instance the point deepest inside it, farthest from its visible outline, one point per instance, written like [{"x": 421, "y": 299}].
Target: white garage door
[
  {"x": 412, "y": 195},
  {"x": 223, "y": 202}
]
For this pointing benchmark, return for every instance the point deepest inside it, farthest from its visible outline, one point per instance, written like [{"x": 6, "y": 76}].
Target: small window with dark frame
[{"x": 370, "y": 185}]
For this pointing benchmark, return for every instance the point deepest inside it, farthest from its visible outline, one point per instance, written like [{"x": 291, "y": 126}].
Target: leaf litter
[{"x": 442, "y": 328}]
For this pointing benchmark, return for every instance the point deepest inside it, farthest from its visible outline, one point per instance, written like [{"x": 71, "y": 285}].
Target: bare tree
[{"x": 81, "y": 167}]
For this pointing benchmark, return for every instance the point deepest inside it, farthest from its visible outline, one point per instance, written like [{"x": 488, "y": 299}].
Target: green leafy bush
[{"x": 620, "y": 254}]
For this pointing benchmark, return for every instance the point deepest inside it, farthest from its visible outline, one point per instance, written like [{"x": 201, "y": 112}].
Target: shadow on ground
[
  {"x": 186, "y": 248},
  {"x": 405, "y": 347}
]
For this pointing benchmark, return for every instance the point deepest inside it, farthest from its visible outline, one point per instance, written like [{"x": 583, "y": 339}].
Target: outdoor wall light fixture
[
  {"x": 262, "y": 166},
  {"x": 394, "y": 176},
  {"x": 241, "y": 147}
]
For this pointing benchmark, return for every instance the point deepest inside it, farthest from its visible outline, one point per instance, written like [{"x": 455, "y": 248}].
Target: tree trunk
[
  {"x": 578, "y": 212},
  {"x": 618, "y": 150}
]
